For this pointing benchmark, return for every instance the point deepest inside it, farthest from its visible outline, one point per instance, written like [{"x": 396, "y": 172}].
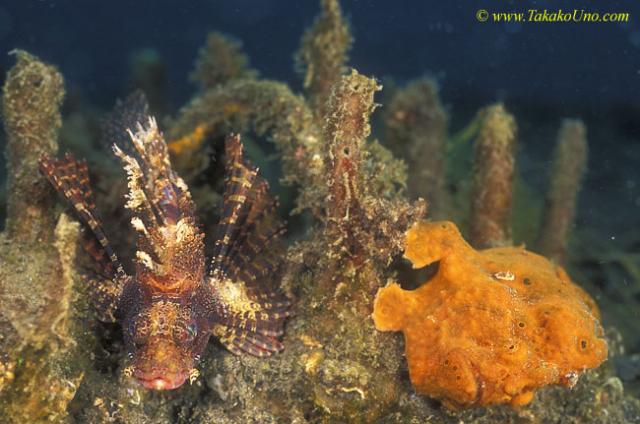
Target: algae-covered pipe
[
  {"x": 220, "y": 61},
  {"x": 494, "y": 167},
  {"x": 323, "y": 52},
  {"x": 364, "y": 223},
  {"x": 266, "y": 107},
  {"x": 569, "y": 164},
  {"x": 415, "y": 130},
  {"x": 346, "y": 130},
  {"x": 32, "y": 95},
  {"x": 43, "y": 346}
]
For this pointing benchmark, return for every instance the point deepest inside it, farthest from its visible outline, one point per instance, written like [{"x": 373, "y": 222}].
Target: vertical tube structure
[
  {"x": 415, "y": 130},
  {"x": 569, "y": 165},
  {"x": 32, "y": 96},
  {"x": 494, "y": 167},
  {"x": 323, "y": 52},
  {"x": 346, "y": 130}
]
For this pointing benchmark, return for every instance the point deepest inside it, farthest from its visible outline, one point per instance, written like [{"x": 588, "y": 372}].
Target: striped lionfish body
[{"x": 174, "y": 302}]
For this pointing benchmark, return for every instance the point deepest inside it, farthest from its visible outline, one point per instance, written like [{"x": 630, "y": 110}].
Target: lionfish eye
[
  {"x": 187, "y": 334},
  {"x": 192, "y": 329},
  {"x": 139, "y": 332}
]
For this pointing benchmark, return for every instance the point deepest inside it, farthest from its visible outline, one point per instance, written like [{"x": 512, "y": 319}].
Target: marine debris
[
  {"x": 336, "y": 270},
  {"x": 41, "y": 342},
  {"x": 248, "y": 105},
  {"x": 350, "y": 199},
  {"x": 416, "y": 131},
  {"x": 323, "y": 53},
  {"x": 32, "y": 96},
  {"x": 569, "y": 165},
  {"x": 220, "y": 61},
  {"x": 491, "y": 326},
  {"x": 494, "y": 173}
]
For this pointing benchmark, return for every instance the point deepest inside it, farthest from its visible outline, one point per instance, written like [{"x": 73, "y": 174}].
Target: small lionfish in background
[{"x": 174, "y": 302}]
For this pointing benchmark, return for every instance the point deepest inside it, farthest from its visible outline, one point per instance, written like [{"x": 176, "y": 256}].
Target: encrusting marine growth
[
  {"x": 494, "y": 169},
  {"x": 492, "y": 325},
  {"x": 569, "y": 164},
  {"x": 416, "y": 131},
  {"x": 41, "y": 343},
  {"x": 323, "y": 53},
  {"x": 174, "y": 302}
]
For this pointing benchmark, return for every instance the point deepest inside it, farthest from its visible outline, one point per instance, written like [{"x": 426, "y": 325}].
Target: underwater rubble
[{"x": 352, "y": 200}]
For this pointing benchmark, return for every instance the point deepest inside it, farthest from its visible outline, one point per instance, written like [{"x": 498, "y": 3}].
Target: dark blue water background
[
  {"x": 595, "y": 65},
  {"x": 544, "y": 72}
]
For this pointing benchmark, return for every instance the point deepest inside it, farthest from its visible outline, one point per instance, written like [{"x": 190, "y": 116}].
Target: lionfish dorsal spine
[{"x": 163, "y": 212}]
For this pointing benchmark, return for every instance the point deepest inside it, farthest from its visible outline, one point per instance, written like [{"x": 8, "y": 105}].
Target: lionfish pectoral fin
[
  {"x": 70, "y": 178},
  {"x": 239, "y": 341},
  {"x": 240, "y": 181},
  {"x": 105, "y": 296},
  {"x": 246, "y": 261},
  {"x": 246, "y": 321}
]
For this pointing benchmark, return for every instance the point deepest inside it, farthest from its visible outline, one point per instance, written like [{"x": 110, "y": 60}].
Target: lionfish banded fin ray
[
  {"x": 238, "y": 342},
  {"x": 251, "y": 311},
  {"x": 125, "y": 115},
  {"x": 169, "y": 244},
  {"x": 70, "y": 178}
]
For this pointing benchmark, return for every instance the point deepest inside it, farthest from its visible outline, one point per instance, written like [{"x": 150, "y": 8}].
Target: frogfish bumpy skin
[{"x": 491, "y": 326}]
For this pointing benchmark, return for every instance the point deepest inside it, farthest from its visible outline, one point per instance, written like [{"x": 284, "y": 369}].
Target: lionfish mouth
[{"x": 162, "y": 382}]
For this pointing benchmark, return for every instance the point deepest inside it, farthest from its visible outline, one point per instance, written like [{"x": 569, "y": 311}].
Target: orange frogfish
[{"x": 490, "y": 326}]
